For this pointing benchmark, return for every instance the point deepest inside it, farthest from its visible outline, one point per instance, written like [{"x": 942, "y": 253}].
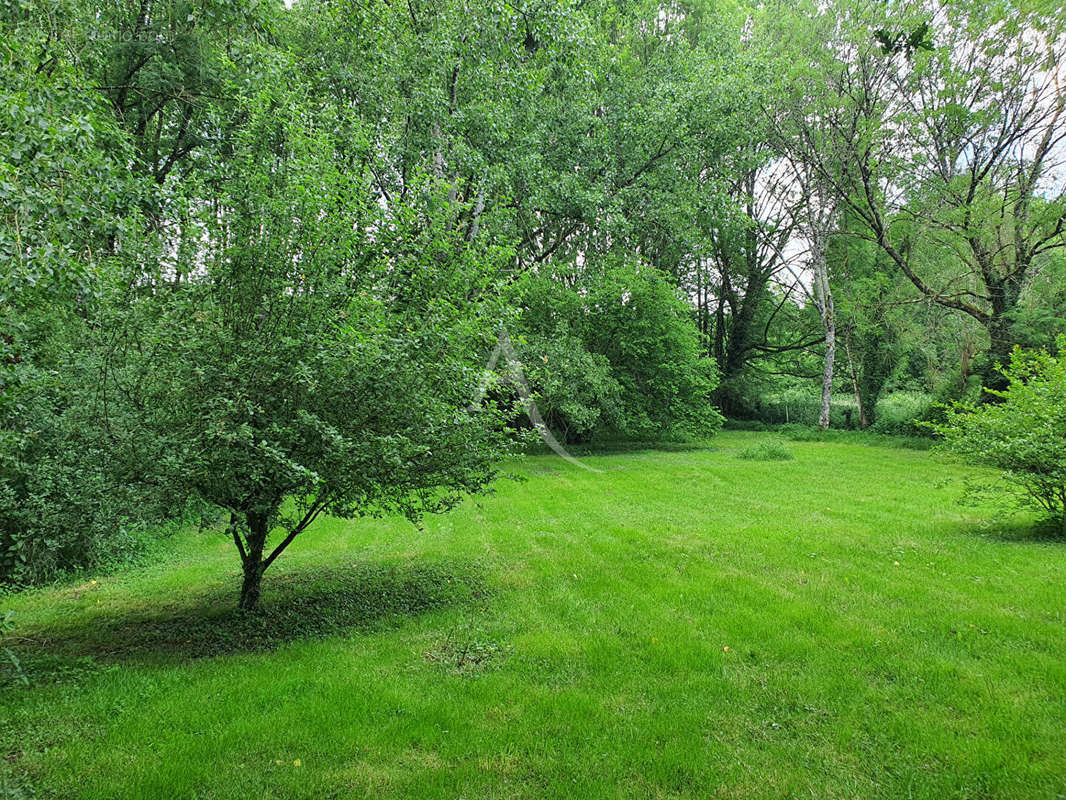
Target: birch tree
[{"x": 819, "y": 220}]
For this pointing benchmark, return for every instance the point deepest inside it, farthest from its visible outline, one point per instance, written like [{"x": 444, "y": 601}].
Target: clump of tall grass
[{"x": 766, "y": 450}]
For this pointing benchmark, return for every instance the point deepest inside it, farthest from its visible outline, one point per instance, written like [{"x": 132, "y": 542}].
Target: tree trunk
[
  {"x": 965, "y": 357},
  {"x": 863, "y": 421},
  {"x": 249, "y": 587},
  {"x": 253, "y": 576},
  {"x": 999, "y": 352},
  {"x": 827, "y": 370},
  {"x": 823, "y": 298},
  {"x": 253, "y": 561}
]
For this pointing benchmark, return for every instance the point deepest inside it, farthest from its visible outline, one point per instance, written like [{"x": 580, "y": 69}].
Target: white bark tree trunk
[{"x": 823, "y": 298}]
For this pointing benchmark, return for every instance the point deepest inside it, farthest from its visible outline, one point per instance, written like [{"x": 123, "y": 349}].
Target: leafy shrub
[
  {"x": 906, "y": 414},
  {"x": 638, "y": 321},
  {"x": 615, "y": 356},
  {"x": 766, "y": 450},
  {"x": 574, "y": 390},
  {"x": 63, "y": 504},
  {"x": 1025, "y": 434}
]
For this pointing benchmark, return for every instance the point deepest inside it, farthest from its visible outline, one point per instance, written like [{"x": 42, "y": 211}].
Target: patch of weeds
[
  {"x": 467, "y": 651},
  {"x": 766, "y": 450},
  {"x": 10, "y": 660},
  {"x": 45, "y": 667}
]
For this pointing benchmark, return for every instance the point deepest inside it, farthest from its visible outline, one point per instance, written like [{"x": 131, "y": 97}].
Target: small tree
[
  {"x": 319, "y": 354},
  {"x": 1025, "y": 435}
]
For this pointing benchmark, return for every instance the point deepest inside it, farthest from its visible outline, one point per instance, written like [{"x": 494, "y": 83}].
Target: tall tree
[
  {"x": 947, "y": 153},
  {"x": 751, "y": 279}
]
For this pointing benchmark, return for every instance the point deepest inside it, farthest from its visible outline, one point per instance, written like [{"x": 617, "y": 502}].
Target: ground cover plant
[{"x": 680, "y": 624}]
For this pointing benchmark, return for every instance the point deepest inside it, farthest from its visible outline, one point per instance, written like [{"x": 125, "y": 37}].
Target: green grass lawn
[{"x": 681, "y": 624}]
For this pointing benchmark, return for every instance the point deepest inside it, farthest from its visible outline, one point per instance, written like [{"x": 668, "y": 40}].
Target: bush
[
  {"x": 907, "y": 414},
  {"x": 1025, "y": 434},
  {"x": 574, "y": 389},
  {"x": 63, "y": 504},
  {"x": 615, "y": 356},
  {"x": 766, "y": 450}
]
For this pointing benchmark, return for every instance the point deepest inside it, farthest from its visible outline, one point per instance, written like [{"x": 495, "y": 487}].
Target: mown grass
[{"x": 679, "y": 624}]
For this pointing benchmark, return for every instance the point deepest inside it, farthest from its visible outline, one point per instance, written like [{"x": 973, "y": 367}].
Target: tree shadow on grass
[
  {"x": 1019, "y": 531},
  {"x": 296, "y": 605}
]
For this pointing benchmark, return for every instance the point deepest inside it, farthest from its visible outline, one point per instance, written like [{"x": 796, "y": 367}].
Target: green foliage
[
  {"x": 770, "y": 449},
  {"x": 252, "y": 255},
  {"x": 68, "y": 208},
  {"x": 575, "y": 390},
  {"x": 300, "y": 364},
  {"x": 255, "y": 257},
  {"x": 62, "y": 505},
  {"x": 802, "y": 405},
  {"x": 906, "y": 414},
  {"x": 71, "y": 215},
  {"x": 66, "y": 196},
  {"x": 1024, "y": 434},
  {"x": 615, "y": 354},
  {"x": 901, "y": 41},
  {"x": 1039, "y": 318},
  {"x": 640, "y": 324},
  {"x": 900, "y": 413}
]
